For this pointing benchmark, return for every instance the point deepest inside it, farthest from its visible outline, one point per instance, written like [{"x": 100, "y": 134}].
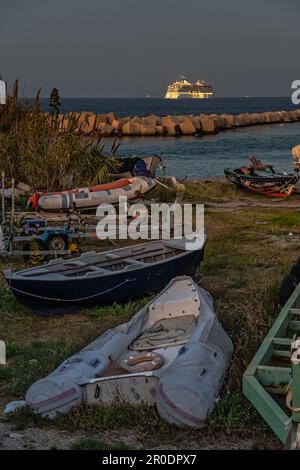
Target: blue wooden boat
[{"x": 66, "y": 286}]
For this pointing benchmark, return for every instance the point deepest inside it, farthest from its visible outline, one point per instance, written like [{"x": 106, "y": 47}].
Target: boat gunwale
[{"x": 54, "y": 277}]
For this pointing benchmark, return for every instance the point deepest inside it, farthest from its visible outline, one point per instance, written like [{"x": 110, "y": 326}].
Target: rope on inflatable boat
[{"x": 70, "y": 300}]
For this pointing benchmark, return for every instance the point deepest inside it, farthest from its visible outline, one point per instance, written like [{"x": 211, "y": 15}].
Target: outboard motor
[{"x": 140, "y": 168}]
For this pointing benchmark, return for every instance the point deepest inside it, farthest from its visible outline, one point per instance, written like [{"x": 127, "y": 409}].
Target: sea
[{"x": 206, "y": 156}]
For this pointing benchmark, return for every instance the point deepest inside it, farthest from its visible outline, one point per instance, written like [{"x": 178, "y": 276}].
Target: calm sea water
[{"x": 196, "y": 157}]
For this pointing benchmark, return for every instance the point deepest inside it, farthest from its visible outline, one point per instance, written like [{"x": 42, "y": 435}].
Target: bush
[{"x": 36, "y": 149}]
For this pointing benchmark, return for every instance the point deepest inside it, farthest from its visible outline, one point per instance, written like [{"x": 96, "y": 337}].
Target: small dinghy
[
  {"x": 173, "y": 354},
  {"x": 262, "y": 179},
  {"x": 91, "y": 198},
  {"x": 65, "y": 286}
]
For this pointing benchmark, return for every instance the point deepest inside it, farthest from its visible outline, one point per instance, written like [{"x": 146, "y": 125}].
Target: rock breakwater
[{"x": 109, "y": 125}]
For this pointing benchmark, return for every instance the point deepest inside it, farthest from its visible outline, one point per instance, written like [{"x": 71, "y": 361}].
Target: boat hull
[
  {"x": 275, "y": 186},
  {"x": 86, "y": 199},
  {"x": 59, "y": 297}
]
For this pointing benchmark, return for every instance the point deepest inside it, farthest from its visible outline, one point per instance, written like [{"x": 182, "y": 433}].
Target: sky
[{"x": 131, "y": 48}]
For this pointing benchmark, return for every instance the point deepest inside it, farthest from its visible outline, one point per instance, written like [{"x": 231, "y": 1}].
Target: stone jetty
[{"x": 110, "y": 125}]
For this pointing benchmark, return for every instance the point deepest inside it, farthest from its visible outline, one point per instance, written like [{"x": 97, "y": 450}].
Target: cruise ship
[{"x": 186, "y": 89}]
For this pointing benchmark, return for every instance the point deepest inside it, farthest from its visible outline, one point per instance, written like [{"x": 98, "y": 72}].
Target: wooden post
[
  {"x": 3, "y": 197},
  {"x": 2, "y": 353},
  {"x": 12, "y": 214},
  {"x": 13, "y": 201}
]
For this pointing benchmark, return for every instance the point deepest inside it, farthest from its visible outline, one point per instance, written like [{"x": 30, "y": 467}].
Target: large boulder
[
  {"x": 124, "y": 119},
  {"x": 197, "y": 124},
  {"x": 131, "y": 128},
  {"x": 116, "y": 124},
  {"x": 286, "y": 116},
  {"x": 254, "y": 118},
  {"x": 171, "y": 124},
  {"x": 208, "y": 125},
  {"x": 110, "y": 118},
  {"x": 220, "y": 122},
  {"x": 228, "y": 120},
  {"x": 237, "y": 120},
  {"x": 150, "y": 120},
  {"x": 135, "y": 120},
  {"x": 107, "y": 130},
  {"x": 276, "y": 116},
  {"x": 265, "y": 117},
  {"x": 260, "y": 118},
  {"x": 100, "y": 119},
  {"x": 187, "y": 127},
  {"x": 246, "y": 119},
  {"x": 86, "y": 129},
  {"x": 146, "y": 130},
  {"x": 66, "y": 123},
  {"x": 92, "y": 120},
  {"x": 184, "y": 118},
  {"x": 161, "y": 130},
  {"x": 166, "y": 120},
  {"x": 293, "y": 115},
  {"x": 74, "y": 115}
]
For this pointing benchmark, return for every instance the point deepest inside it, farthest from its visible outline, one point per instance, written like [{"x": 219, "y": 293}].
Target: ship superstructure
[{"x": 185, "y": 89}]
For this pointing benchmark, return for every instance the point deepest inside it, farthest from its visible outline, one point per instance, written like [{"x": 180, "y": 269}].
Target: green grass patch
[
  {"x": 26, "y": 364},
  {"x": 115, "y": 311},
  {"x": 234, "y": 414},
  {"x": 98, "y": 418}
]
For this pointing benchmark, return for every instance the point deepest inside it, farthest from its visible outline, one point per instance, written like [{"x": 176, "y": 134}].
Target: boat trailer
[{"x": 272, "y": 380}]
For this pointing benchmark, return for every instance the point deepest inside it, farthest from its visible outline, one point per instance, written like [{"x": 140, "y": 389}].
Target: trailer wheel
[
  {"x": 57, "y": 242},
  {"x": 287, "y": 287},
  {"x": 36, "y": 246}
]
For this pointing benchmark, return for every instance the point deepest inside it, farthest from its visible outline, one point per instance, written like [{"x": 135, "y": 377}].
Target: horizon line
[{"x": 151, "y": 98}]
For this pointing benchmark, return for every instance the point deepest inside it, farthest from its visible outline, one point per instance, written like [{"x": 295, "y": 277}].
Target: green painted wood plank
[
  {"x": 272, "y": 376},
  {"x": 280, "y": 353},
  {"x": 267, "y": 407},
  {"x": 294, "y": 325},
  {"x": 282, "y": 341},
  {"x": 295, "y": 311}
]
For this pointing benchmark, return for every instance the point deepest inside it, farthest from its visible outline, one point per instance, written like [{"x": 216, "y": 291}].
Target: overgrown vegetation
[{"x": 36, "y": 148}]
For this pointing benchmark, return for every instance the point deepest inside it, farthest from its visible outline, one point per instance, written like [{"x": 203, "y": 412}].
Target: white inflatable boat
[
  {"x": 173, "y": 354},
  {"x": 91, "y": 198}
]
